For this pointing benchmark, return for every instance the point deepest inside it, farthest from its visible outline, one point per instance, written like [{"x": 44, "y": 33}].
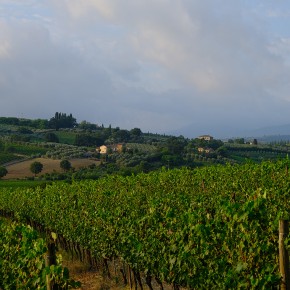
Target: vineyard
[
  {"x": 209, "y": 228},
  {"x": 13, "y": 151},
  {"x": 8, "y": 157}
]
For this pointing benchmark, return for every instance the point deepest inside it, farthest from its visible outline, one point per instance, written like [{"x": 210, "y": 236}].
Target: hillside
[{"x": 24, "y": 140}]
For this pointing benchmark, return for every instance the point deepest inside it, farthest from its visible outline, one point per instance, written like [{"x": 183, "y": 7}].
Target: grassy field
[
  {"x": 22, "y": 169},
  {"x": 66, "y": 137}
]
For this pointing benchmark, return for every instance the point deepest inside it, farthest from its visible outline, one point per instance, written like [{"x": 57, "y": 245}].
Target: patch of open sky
[
  {"x": 155, "y": 78},
  {"x": 29, "y": 10},
  {"x": 107, "y": 31},
  {"x": 276, "y": 16},
  {"x": 280, "y": 27}
]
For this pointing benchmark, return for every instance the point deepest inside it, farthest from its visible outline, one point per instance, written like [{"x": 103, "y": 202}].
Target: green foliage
[
  {"x": 9, "y": 120},
  {"x": 13, "y": 151},
  {"x": 23, "y": 148},
  {"x": 36, "y": 167},
  {"x": 88, "y": 140},
  {"x": 211, "y": 228},
  {"x": 38, "y": 123},
  {"x": 121, "y": 136},
  {"x": 136, "y": 132},
  {"x": 24, "y": 130},
  {"x": 87, "y": 125},
  {"x": 22, "y": 260},
  {"x": 64, "y": 151},
  {"x": 8, "y": 157},
  {"x": 22, "y": 184},
  {"x": 240, "y": 141},
  {"x": 3, "y": 171},
  {"x": 61, "y": 120},
  {"x": 65, "y": 165},
  {"x": 51, "y": 137},
  {"x": 65, "y": 137}
]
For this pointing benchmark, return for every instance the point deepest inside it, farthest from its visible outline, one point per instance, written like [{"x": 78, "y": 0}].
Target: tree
[
  {"x": 222, "y": 151},
  {"x": 88, "y": 140},
  {"x": 175, "y": 145},
  {"x": 65, "y": 165},
  {"x": 61, "y": 120},
  {"x": 136, "y": 132},
  {"x": 215, "y": 144},
  {"x": 87, "y": 125},
  {"x": 255, "y": 142},
  {"x": 121, "y": 135},
  {"x": 36, "y": 167},
  {"x": 240, "y": 141},
  {"x": 3, "y": 171}
]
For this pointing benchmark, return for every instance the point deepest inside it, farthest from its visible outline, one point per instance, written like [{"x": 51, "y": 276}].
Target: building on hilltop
[
  {"x": 205, "y": 137},
  {"x": 112, "y": 148}
]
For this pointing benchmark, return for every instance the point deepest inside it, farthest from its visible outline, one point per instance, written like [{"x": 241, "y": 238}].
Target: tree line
[{"x": 59, "y": 120}]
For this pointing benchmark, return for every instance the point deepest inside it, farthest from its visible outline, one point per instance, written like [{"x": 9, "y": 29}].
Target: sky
[{"x": 186, "y": 67}]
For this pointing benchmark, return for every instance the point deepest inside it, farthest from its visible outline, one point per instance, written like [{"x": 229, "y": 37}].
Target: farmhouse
[
  {"x": 205, "y": 137},
  {"x": 104, "y": 149}
]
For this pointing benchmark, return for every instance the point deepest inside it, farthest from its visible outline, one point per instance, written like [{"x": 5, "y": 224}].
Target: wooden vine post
[
  {"x": 283, "y": 255},
  {"x": 50, "y": 259}
]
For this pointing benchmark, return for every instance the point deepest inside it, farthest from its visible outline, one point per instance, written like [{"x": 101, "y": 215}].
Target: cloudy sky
[{"x": 189, "y": 67}]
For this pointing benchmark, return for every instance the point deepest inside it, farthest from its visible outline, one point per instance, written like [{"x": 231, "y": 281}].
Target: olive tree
[
  {"x": 65, "y": 165},
  {"x": 36, "y": 167}
]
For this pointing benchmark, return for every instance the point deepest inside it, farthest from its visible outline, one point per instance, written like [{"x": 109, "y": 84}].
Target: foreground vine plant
[{"x": 22, "y": 262}]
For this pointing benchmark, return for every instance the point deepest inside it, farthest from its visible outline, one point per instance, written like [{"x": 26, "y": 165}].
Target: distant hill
[
  {"x": 272, "y": 138},
  {"x": 226, "y": 131},
  {"x": 271, "y": 130},
  {"x": 270, "y": 134}
]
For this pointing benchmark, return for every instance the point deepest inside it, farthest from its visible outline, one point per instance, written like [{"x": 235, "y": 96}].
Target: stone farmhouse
[
  {"x": 205, "y": 137},
  {"x": 113, "y": 148}
]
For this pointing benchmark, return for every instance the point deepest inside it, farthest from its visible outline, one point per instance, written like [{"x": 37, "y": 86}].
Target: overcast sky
[{"x": 189, "y": 67}]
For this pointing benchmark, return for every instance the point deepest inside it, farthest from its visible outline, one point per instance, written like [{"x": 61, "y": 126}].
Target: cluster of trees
[
  {"x": 38, "y": 123},
  {"x": 242, "y": 141},
  {"x": 61, "y": 120},
  {"x": 108, "y": 136}
]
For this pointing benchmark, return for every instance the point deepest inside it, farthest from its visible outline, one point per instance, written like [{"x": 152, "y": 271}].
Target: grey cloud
[{"x": 159, "y": 65}]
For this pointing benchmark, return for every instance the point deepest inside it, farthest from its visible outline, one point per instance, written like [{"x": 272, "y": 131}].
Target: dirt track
[{"x": 22, "y": 169}]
